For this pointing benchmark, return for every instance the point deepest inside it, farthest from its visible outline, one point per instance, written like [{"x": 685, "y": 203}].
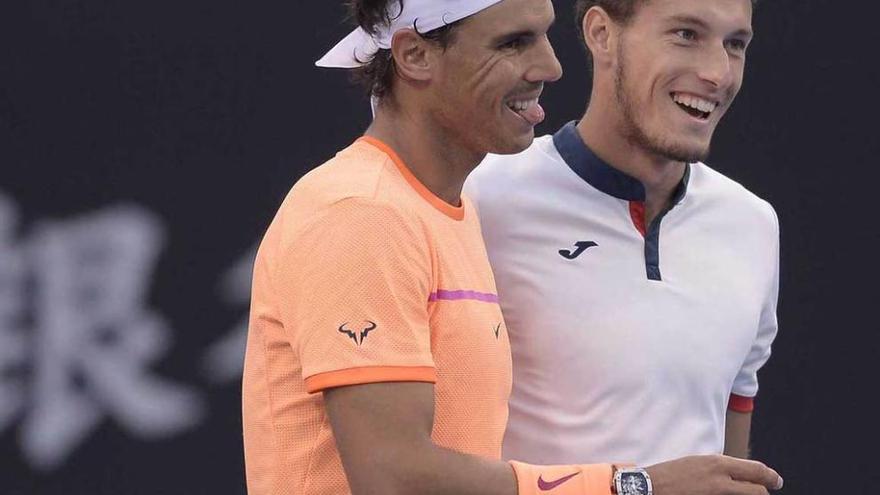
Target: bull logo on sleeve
[{"x": 358, "y": 334}]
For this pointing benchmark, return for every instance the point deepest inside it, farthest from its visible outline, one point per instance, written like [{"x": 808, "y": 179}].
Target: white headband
[{"x": 425, "y": 15}]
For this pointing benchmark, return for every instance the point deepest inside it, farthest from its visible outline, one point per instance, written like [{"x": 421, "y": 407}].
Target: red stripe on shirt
[
  {"x": 637, "y": 212},
  {"x": 741, "y": 404}
]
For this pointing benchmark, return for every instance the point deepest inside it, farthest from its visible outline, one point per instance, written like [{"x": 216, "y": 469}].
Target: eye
[
  {"x": 686, "y": 34},
  {"x": 513, "y": 44},
  {"x": 736, "y": 45},
  {"x": 517, "y": 42}
]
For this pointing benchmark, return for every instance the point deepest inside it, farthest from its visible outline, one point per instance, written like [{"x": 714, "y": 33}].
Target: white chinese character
[
  {"x": 96, "y": 337},
  {"x": 224, "y": 360}
]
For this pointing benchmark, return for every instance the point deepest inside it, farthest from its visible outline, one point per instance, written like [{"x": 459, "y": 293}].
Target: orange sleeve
[
  {"x": 584, "y": 479},
  {"x": 354, "y": 288}
]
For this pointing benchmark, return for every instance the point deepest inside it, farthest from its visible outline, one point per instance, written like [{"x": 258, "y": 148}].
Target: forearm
[
  {"x": 437, "y": 471},
  {"x": 384, "y": 435},
  {"x": 432, "y": 470},
  {"x": 737, "y": 447},
  {"x": 737, "y": 432},
  {"x": 383, "y": 432}
]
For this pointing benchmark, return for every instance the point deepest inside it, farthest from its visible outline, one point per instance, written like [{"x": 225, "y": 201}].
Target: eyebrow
[
  {"x": 504, "y": 38},
  {"x": 696, "y": 21},
  {"x": 523, "y": 33}
]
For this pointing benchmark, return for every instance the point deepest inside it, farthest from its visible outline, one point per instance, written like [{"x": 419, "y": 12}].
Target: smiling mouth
[
  {"x": 528, "y": 109},
  {"x": 694, "y": 106}
]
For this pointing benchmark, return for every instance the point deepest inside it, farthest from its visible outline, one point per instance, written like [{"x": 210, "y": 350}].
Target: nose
[
  {"x": 715, "y": 67},
  {"x": 546, "y": 67}
]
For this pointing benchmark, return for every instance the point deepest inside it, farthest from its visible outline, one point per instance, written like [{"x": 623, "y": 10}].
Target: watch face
[{"x": 633, "y": 484}]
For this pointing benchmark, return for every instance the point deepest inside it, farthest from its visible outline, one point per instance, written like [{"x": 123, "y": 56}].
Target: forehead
[
  {"x": 721, "y": 14},
  {"x": 511, "y": 16}
]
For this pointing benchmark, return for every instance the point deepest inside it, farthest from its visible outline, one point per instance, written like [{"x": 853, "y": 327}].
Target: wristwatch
[{"x": 632, "y": 481}]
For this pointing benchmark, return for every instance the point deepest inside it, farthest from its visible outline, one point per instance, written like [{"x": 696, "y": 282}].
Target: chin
[
  {"x": 511, "y": 145},
  {"x": 687, "y": 155},
  {"x": 682, "y": 150}
]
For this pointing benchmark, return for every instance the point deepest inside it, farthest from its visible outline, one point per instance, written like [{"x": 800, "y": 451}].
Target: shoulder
[
  {"x": 355, "y": 172},
  {"x": 352, "y": 192},
  {"x": 709, "y": 184},
  {"x": 510, "y": 168},
  {"x": 497, "y": 175}
]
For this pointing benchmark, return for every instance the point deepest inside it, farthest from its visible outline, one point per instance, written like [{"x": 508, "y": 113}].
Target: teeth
[
  {"x": 695, "y": 102},
  {"x": 521, "y": 105}
]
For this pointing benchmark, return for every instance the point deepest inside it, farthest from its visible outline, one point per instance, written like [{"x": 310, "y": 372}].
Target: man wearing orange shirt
[{"x": 377, "y": 358}]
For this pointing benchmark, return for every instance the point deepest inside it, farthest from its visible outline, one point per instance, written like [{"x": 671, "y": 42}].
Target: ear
[
  {"x": 412, "y": 55},
  {"x": 598, "y": 29}
]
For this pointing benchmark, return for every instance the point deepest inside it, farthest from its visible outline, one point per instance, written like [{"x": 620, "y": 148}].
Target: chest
[
  {"x": 469, "y": 338},
  {"x": 575, "y": 290}
]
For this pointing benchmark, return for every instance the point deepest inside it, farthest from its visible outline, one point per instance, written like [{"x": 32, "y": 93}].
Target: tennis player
[
  {"x": 378, "y": 361},
  {"x": 639, "y": 284}
]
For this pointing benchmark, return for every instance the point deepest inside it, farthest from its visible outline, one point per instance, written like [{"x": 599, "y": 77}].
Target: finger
[{"x": 754, "y": 472}]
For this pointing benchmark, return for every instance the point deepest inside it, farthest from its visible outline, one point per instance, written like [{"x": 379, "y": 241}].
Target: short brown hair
[{"x": 377, "y": 73}]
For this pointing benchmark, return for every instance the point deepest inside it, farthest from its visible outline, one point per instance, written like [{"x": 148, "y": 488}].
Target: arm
[
  {"x": 736, "y": 437},
  {"x": 739, "y": 414},
  {"x": 383, "y": 434}
]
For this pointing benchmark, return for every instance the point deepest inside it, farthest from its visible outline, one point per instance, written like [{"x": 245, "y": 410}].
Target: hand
[{"x": 713, "y": 475}]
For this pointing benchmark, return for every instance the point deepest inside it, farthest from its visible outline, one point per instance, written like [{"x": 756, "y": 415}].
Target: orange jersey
[{"x": 365, "y": 276}]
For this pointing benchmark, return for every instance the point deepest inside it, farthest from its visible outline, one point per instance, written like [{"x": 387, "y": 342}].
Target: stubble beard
[{"x": 637, "y": 135}]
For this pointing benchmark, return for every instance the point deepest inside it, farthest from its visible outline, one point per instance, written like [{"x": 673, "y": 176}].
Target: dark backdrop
[{"x": 144, "y": 147}]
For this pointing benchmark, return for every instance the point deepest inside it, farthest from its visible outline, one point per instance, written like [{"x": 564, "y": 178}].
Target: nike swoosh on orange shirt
[{"x": 546, "y": 486}]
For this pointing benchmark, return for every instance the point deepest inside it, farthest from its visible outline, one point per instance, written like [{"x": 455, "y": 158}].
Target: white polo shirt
[{"x": 629, "y": 343}]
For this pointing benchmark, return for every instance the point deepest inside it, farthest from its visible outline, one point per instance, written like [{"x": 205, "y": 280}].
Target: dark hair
[
  {"x": 377, "y": 74},
  {"x": 621, "y": 11}
]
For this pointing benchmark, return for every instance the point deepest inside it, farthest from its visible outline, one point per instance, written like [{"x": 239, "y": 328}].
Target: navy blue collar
[{"x": 599, "y": 174}]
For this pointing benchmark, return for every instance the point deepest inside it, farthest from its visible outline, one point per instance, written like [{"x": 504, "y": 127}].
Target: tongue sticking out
[{"x": 534, "y": 114}]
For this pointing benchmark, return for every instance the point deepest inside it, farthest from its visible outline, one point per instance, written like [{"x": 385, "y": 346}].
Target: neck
[
  {"x": 435, "y": 157},
  {"x": 659, "y": 175}
]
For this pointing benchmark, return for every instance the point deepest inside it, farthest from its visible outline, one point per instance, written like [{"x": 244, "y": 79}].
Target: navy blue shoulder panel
[{"x": 592, "y": 169}]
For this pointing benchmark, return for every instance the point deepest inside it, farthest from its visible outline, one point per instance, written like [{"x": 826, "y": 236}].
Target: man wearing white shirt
[{"x": 639, "y": 286}]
